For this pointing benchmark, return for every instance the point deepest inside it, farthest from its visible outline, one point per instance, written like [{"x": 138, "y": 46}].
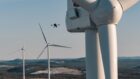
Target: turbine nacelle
[
  {"x": 77, "y": 18},
  {"x": 86, "y": 14}
]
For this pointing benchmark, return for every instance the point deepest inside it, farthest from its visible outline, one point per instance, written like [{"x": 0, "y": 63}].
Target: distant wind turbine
[
  {"x": 47, "y": 47},
  {"x": 23, "y": 61}
]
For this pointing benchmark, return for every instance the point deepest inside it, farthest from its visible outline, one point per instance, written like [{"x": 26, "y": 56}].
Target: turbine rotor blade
[
  {"x": 43, "y": 33},
  {"x": 94, "y": 62},
  {"x": 126, "y": 4},
  {"x": 42, "y": 52},
  {"x": 55, "y": 45},
  {"x": 108, "y": 43}
]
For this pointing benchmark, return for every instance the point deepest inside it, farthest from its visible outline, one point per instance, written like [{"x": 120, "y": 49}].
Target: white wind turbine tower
[
  {"x": 98, "y": 19},
  {"x": 22, "y": 52},
  {"x": 47, "y": 47},
  {"x": 23, "y": 62}
]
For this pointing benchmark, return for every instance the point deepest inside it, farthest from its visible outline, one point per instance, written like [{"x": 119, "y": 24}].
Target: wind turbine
[
  {"x": 23, "y": 62},
  {"x": 22, "y": 52},
  {"x": 47, "y": 47},
  {"x": 98, "y": 19}
]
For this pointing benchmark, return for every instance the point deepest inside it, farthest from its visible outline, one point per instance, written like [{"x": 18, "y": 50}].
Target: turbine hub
[{"x": 107, "y": 12}]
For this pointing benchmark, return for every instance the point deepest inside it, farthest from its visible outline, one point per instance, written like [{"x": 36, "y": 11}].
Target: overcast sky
[{"x": 19, "y": 27}]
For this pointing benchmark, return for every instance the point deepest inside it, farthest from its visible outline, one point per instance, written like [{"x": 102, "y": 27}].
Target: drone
[{"x": 55, "y": 25}]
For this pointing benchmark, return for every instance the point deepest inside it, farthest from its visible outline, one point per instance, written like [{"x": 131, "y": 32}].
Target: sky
[{"x": 19, "y": 28}]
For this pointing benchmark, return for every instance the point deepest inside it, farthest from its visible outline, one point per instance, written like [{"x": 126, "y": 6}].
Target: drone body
[{"x": 55, "y": 25}]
